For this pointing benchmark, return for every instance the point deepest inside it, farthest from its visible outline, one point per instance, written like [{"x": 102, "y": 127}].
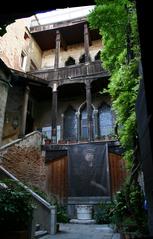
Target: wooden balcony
[{"x": 73, "y": 73}]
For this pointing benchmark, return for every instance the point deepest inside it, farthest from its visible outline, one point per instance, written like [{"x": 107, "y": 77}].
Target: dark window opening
[
  {"x": 70, "y": 124},
  {"x": 97, "y": 56},
  {"x": 84, "y": 123},
  {"x": 82, "y": 58},
  {"x": 70, "y": 61},
  {"x": 26, "y": 36},
  {"x": 106, "y": 121}
]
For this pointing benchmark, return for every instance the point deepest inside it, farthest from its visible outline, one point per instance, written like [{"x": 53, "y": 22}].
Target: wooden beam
[{"x": 57, "y": 50}]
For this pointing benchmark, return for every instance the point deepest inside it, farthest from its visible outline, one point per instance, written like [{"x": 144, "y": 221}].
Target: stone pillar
[
  {"x": 78, "y": 126},
  {"x": 54, "y": 114},
  {"x": 89, "y": 111},
  {"x": 24, "y": 112},
  {"x": 57, "y": 50},
  {"x": 53, "y": 220},
  {"x": 86, "y": 43},
  {"x": 96, "y": 124},
  {"x": 3, "y": 100}
]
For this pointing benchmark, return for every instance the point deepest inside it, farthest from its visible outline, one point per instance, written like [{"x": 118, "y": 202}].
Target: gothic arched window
[
  {"x": 84, "y": 122},
  {"x": 70, "y": 61},
  {"x": 82, "y": 58},
  {"x": 84, "y": 126},
  {"x": 97, "y": 56},
  {"x": 106, "y": 121},
  {"x": 69, "y": 132}
]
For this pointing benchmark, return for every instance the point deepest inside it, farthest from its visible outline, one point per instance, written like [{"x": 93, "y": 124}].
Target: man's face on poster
[{"x": 89, "y": 157}]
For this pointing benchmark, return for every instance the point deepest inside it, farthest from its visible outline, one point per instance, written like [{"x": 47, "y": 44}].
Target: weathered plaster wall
[
  {"x": 74, "y": 51},
  {"x": 13, "y": 43},
  {"x": 3, "y": 99}
]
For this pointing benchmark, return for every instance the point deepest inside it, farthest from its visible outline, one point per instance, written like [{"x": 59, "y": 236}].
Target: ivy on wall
[{"x": 117, "y": 24}]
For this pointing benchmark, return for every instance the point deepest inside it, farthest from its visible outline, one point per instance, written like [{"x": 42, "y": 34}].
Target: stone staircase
[
  {"x": 44, "y": 216},
  {"x": 39, "y": 232}
]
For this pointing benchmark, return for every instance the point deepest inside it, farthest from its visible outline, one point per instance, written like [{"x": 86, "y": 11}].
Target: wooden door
[
  {"x": 117, "y": 172},
  {"x": 57, "y": 182}
]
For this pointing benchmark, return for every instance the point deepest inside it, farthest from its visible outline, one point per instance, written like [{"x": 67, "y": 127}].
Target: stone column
[
  {"x": 54, "y": 114},
  {"x": 86, "y": 43},
  {"x": 57, "y": 50},
  {"x": 78, "y": 126},
  {"x": 89, "y": 111},
  {"x": 3, "y": 100},
  {"x": 24, "y": 112},
  {"x": 53, "y": 220},
  {"x": 96, "y": 124}
]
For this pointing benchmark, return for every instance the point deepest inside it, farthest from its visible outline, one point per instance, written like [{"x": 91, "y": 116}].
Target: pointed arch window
[
  {"x": 106, "y": 120},
  {"x": 97, "y": 56},
  {"x": 84, "y": 125},
  {"x": 82, "y": 58},
  {"x": 70, "y": 124},
  {"x": 84, "y": 122},
  {"x": 70, "y": 61}
]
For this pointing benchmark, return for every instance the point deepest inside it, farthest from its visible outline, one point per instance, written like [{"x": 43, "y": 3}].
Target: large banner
[{"x": 88, "y": 170}]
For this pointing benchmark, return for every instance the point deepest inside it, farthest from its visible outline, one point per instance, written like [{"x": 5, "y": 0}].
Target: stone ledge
[{"x": 83, "y": 221}]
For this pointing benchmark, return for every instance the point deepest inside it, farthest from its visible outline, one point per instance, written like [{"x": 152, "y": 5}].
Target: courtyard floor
[{"x": 83, "y": 231}]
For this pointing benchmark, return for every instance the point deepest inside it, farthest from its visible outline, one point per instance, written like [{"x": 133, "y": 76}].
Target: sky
[{"x": 60, "y": 15}]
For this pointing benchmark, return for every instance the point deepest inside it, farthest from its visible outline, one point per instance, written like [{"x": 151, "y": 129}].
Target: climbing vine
[{"x": 117, "y": 24}]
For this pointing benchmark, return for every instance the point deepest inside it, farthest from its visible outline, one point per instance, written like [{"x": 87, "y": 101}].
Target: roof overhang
[{"x": 20, "y": 77}]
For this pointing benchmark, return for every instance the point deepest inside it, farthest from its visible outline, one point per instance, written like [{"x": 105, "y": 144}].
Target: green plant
[
  {"x": 16, "y": 206},
  {"x": 61, "y": 214},
  {"x": 102, "y": 213},
  {"x": 61, "y": 210},
  {"x": 117, "y": 23},
  {"x": 128, "y": 213}
]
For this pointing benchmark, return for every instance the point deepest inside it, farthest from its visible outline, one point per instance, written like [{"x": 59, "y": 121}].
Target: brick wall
[
  {"x": 24, "y": 160},
  {"x": 27, "y": 164}
]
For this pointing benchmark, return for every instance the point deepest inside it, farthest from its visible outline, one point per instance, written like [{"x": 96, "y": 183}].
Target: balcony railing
[{"x": 93, "y": 69}]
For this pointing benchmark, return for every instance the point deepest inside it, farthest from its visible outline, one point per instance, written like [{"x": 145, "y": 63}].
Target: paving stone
[{"x": 83, "y": 231}]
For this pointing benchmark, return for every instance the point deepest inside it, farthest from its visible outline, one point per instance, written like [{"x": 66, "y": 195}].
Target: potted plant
[{"x": 16, "y": 210}]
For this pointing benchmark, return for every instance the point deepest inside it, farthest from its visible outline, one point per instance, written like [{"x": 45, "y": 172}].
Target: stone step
[
  {"x": 83, "y": 221},
  {"x": 40, "y": 233}
]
